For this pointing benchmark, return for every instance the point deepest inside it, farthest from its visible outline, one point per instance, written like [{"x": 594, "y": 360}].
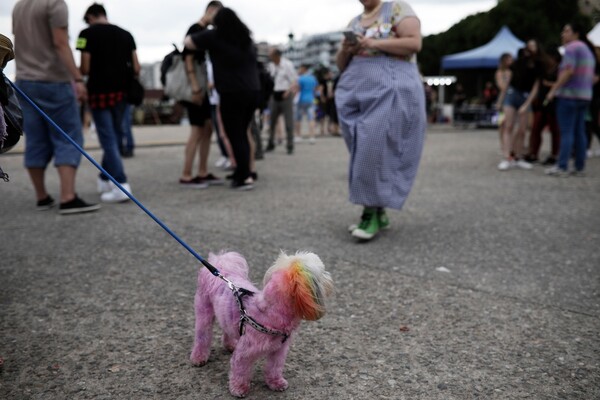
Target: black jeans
[{"x": 237, "y": 109}]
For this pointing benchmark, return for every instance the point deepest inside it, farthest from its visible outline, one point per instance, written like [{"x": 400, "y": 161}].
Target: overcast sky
[{"x": 155, "y": 25}]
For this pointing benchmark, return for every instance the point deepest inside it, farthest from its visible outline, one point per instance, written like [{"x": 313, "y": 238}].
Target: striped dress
[{"x": 381, "y": 107}]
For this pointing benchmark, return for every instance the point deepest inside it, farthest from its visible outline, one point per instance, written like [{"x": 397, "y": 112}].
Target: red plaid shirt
[{"x": 105, "y": 100}]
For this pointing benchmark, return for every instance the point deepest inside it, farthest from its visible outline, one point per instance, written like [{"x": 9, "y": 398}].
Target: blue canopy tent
[
  {"x": 486, "y": 56},
  {"x": 484, "y": 59}
]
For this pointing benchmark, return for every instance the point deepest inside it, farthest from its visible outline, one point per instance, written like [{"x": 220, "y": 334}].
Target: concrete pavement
[{"x": 487, "y": 286}]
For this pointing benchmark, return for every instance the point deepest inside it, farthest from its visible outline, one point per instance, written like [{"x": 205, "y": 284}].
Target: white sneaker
[
  {"x": 590, "y": 153},
  {"x": 227, "y": 165},
  {"x": 104, "y": 186},
  {"x": 505, "y": 165},
  {"x": 555, "y": 171},
  {"x": 221, "y": 162},
  {"x": 116, "y": 195},
  {"x": 312, "y": 140},
  {"x": 523, "y": 164}
]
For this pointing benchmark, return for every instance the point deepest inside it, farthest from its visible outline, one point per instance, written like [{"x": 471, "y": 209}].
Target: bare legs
[
  {"x": 199, "y": 140},
  {"x": 66, "y": 174},
  {"x": 513, "y": 144}
]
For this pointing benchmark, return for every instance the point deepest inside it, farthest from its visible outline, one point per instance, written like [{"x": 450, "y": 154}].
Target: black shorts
[{"x": 198, "y": 114}]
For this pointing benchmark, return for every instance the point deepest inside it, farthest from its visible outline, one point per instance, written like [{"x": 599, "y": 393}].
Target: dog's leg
[
  {"x": 274, "y": 369},
  {"x": 229, "y": 341},
  {"x": 242, "y": 367},
  {"x": 205, "y": 316}
]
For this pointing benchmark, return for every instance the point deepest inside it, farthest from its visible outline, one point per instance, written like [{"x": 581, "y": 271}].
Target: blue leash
[
  {"x": 212, "y": 269},
  {"x": 237, "y": 292}
]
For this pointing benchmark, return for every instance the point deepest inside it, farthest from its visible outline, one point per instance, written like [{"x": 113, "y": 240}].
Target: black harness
[{"x": 238, "y": 293}]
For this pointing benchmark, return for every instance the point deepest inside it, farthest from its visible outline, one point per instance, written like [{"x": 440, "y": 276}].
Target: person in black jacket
[{"x": 233, "y": 55}]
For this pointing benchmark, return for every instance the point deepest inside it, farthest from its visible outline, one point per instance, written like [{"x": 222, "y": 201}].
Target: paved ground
[{"x": 487, "y": 286}]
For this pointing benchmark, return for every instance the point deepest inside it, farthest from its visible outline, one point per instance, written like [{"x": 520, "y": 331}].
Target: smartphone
[{"x": 350, "y": 37}]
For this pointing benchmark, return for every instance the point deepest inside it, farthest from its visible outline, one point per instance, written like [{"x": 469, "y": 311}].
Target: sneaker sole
[
  {"x": 360, "y": 234},
  {"x": 244, "y": 187},
  {"x": 45, "y": 208},
  {"x": 194, "y": 185},
  {"x": 79, "y": 210},
  {"x": 352, "y": 227},
  {"x": 111, "y": 201}
]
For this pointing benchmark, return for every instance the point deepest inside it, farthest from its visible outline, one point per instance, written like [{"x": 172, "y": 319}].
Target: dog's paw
[
  {"x": 198, "y": 360},
  {"x": 278, "y": 385},
  {"x": 198, "y": 363},
  {"x": 239, "y": 390}
]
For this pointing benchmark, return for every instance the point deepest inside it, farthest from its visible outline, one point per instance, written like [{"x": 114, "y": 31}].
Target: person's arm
[
  {"x": 532, "y": 95},
  {"x": 407, "y": 42},
  {"x": 563, "y": 78},
  {"x": 190, "y": 44},
  {"x": 193, "y": 79},
  {"x": 60, "y": 40},
  {"x": 503, "y": 91},
  {"x": 84, "y": 63},
  {"x": 345, "y": 54},
  {"x": 136, "y": 63},
  {"x": 293, "y": 77}
]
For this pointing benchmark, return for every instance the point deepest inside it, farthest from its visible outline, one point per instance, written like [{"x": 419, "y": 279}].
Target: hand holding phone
[{"x": 351, "y": 37}]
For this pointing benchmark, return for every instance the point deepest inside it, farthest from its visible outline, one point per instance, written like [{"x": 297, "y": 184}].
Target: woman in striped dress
[{"x": 381, "y": 106}]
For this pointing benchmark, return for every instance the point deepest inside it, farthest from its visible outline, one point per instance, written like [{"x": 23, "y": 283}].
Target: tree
[{"x": 540, "y": 19}]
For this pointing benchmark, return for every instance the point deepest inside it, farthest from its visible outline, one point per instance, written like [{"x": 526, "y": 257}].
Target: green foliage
[{"x": 540, "y": 19}]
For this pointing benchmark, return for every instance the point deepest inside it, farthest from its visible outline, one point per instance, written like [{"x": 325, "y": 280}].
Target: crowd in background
[{"x": 526, "y": 98}]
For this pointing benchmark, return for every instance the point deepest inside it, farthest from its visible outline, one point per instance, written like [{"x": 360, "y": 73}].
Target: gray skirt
[{"x": 381, "y": 110}]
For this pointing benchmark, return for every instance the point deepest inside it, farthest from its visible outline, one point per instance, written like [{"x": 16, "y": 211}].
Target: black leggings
[{"x": 237, "y": 109}]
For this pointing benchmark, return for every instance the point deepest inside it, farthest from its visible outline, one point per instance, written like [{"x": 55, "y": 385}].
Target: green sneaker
[
  {"x": 384, "y": 221},
  {"x": 382, "y": 218},
  {"x": 369, "y": 225}
]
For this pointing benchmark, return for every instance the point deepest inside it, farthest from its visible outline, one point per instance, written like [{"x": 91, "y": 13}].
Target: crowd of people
[
  {"x": 551, "y": 90},
  {"x": 376, "y": 103}
]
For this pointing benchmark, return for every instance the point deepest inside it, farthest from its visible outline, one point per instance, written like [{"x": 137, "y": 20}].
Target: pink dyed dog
[{"x": 294, "y": 288}]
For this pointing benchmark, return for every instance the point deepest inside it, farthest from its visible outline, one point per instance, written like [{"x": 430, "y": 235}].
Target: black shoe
[
  {"x": 270, "y": 147},
  {"x": 290, "y": 150},
  {"x": 45, "y": 204},
  {"x": 127, "y": 153},
  {"x": 254, "y": 176},
  {"x": 244, "y": 185},
  {"x": 211, "y": 180},
  {"x": 77, "y": 206},
  {"x": 531, "y": 159},
  {"x": 549, "y": 161},
  {"x": 229, "y": 177}
]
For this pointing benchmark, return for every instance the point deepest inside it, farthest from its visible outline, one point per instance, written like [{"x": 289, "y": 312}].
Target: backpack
[
  {"x": 166, "y": 64},
  {"x": 266, "y": 86},
  {"x": 12, "y": 115},
  {"x": 174, "y": 76}
]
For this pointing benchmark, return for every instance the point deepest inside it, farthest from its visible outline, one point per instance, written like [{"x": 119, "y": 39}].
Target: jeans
[
  {"x": 571, "y": 122},
  {"x": 42, "y": 140},
  {"x": 109, "y": 126},
  {"x": 125, "y": 139}
]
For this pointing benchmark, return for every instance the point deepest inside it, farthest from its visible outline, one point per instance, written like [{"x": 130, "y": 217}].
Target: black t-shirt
[
  {"x": 235, "y": 68},
  {"x": 524, "y": 74},
  {"x": 111, "y": 50}
]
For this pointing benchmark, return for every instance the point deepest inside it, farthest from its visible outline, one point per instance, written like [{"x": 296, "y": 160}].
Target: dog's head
[{"x": 303, "y": 278}]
